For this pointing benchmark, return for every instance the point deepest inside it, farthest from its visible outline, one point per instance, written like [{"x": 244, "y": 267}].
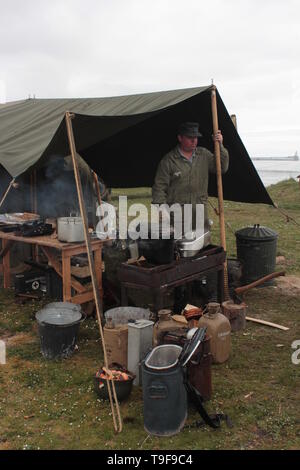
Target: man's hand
[{"x": 218, "y": 137}]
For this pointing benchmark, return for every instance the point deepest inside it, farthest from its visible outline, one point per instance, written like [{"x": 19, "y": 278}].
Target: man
[{"x": 182, "y": 175}]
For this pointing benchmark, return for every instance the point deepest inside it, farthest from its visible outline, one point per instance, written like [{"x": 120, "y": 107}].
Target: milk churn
[
  {"x": 218, "y": 327},
  {"x": 164, "y": 389}
]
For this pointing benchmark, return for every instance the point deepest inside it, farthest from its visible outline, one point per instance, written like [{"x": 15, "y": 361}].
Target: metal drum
[{"x": 256, "y": 250}]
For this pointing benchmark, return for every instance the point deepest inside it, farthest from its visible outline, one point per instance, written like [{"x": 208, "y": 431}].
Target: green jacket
[{"x": 179, "y": 181}]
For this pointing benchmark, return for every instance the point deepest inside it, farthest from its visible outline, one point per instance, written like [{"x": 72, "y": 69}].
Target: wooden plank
[
  {"x": 82, "y": 298},
  {"x": 267, "y": 323},
  {"x": 46, "y": 240},
  {"x": 43, "y": 240},
  {"x": 79, "y": 249}
]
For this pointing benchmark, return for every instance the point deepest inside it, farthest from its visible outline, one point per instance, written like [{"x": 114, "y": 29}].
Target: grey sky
[{"x": 66, "y": 48}]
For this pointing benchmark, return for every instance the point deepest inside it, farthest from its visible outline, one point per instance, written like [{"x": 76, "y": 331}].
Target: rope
[
  {"x": 287, "y": 217},
  {"x": 217, "y": 213}
]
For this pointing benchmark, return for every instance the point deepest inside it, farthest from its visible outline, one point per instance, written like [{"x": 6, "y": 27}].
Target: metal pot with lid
[{"x": 70, "y": 229}]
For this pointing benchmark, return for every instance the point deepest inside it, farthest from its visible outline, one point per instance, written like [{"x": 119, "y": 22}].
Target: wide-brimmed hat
[{"x": 190, "y": 129}]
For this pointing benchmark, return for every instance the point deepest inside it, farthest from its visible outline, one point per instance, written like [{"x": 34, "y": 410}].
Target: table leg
[
  {"x": 158, "y": 299},
  {"x": 221, "y": 285},
  {"x": 98, "y": 269},
  {"x": 124, "y": 297},
  {"x": 66, "y": 276},
  {"x": 6, "y": 263}
]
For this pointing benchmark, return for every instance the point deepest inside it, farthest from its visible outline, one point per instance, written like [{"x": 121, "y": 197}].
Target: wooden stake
[
  {"x": 220, "y": 186},
  {"x": 267, "y": 323},
  {"x": 117, "y": 420}
]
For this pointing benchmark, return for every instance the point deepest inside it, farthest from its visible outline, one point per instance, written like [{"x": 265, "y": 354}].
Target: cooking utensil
[{"x": 190, "y": 247}]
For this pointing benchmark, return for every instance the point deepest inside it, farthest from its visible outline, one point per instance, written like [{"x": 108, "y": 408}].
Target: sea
[{"x": 273, "y": 171}]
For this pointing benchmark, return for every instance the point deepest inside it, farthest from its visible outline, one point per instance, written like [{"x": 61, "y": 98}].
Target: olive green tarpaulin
[{"x": 123, "y": 138}]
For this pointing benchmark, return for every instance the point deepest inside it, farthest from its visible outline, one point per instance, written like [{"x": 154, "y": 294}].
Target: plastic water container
[{"x": 219, "y": 329}]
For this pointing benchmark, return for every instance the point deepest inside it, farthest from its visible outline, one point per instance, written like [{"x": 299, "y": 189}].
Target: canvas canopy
[{"x": 123, "y": 138}]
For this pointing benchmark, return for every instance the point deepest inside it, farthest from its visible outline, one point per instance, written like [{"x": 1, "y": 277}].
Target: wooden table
[{"x": 51, "y": 247}]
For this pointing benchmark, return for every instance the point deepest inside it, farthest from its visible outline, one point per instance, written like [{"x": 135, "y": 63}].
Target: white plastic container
[{"x": 140, "y": 335}]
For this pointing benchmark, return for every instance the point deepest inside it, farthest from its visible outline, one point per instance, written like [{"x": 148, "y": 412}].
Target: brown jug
[
  {"x": 165, "y": 324},
  {"x": 218, "y": 327}
]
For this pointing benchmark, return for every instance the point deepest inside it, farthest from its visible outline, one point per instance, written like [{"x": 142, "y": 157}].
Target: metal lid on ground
[
  {"x": 191, "y": 346},
  {"x": 257, "y": 233}
]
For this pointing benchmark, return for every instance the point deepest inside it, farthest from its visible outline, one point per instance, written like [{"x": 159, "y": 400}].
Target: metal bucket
[{"x": 58, "y": 329}]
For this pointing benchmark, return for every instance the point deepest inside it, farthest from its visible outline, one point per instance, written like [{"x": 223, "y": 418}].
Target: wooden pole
[
  {"x": 117, "y": 420},
  {"x": 97, "y": 188},
  {"x": 220, "y": 185},
  {"x": 7, "y": 191},
  {"x": 233, "y": 118},
  {"x": 35, "y": 191}
]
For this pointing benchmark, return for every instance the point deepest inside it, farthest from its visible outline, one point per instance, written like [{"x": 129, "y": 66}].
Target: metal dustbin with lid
[
  {"x": 58, "y": 327},
  {"x": 164, "y": 392},
  {"x": 256, "y": 250}
]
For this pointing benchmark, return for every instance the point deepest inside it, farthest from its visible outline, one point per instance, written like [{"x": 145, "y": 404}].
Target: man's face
[{"x": 188, "y": 144}]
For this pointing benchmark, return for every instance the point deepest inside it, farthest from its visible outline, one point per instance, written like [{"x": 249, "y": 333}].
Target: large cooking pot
[
  {"x": 159, "y": 247},
  {"x": 70, "y": 229},
  {"x": 190, "y": 247}
]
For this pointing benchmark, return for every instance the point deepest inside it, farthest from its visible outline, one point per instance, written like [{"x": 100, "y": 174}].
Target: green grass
[{"x": 53, "y": 405}]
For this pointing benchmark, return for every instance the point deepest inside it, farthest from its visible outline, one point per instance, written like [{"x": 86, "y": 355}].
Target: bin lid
[
  {"x": 121, "y": 315},
  {"x": 56, "y": 316},
  {"x": 191, "y": 346},
  {"x": 256, "y": 233},
  {"x": 63, "y": 305}
]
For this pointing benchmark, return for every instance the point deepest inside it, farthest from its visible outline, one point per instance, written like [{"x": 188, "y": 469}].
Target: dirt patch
[
  {"x": 4, "y": 444},
  {"x": 18, "y": 338},
  {"x": 288, "y": 285}
]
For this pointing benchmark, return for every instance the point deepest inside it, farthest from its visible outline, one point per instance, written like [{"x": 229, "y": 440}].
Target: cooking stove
[{"x": 143, "y": 275}]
